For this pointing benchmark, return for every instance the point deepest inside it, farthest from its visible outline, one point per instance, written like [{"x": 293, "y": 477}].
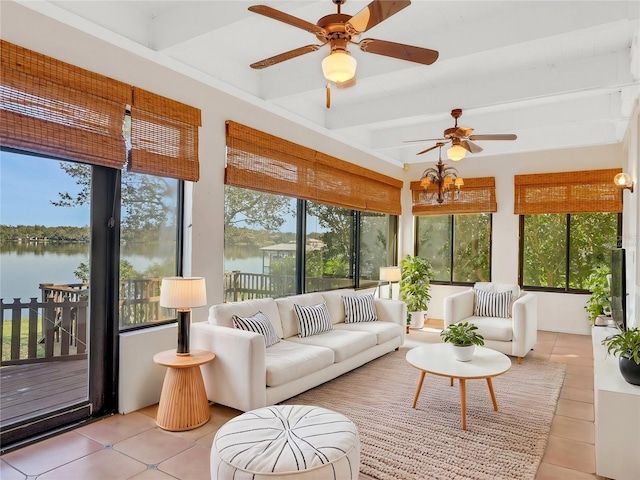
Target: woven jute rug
[{"x": 399, "y": 442}]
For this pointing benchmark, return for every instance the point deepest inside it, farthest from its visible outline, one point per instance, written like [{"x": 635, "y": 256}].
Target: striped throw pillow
[
  {"x": 359, "y": 309},
  {"x": 312, "y": 319},
  {"x": 258, "y": 323},
  {"x": 492, "y": 304}
]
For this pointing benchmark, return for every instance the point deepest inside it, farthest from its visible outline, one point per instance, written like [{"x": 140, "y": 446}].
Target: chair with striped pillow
[{"x": 506, "y": 317}]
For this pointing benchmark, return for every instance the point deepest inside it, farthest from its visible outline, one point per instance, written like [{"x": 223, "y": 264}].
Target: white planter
[
  {"x": 417, "y": 320},
  {"x": 463, "y": 354}
]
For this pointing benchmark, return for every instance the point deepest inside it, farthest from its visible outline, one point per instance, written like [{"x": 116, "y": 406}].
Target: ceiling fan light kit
[
  {"x": 339, "y": 66},
  {"x": 456, "y": 152}
]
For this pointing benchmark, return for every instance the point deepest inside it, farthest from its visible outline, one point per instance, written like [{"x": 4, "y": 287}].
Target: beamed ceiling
[{"x": 557, "y": 74}]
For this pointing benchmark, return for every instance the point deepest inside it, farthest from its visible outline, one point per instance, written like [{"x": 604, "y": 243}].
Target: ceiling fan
[
  {"x": 338, "y": 30},
  {"x": 461, "y": 139}
]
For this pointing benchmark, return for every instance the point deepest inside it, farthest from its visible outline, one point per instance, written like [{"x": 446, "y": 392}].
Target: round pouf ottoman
[{"x": 292, "y": 442}]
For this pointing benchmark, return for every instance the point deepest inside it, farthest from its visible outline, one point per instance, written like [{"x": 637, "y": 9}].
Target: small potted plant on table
[
  {"x": 626, "y": 344},
  {"x": 464, "y": 338}
]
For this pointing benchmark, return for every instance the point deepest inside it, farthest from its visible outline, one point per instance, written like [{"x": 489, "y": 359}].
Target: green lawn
[{"x": 24, "y": 336}]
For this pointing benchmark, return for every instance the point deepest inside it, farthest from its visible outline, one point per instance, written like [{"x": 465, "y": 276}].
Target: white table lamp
[
  {"x": 390, "y": 274},
  {"x": 183, "y": 294}
]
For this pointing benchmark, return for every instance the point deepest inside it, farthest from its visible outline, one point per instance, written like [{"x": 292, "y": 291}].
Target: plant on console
[{"x": 626, "y": 344}]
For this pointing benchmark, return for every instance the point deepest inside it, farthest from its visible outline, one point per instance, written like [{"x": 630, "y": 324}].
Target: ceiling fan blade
[
  {"x": 463, "y": 132},
  {"x": 399, "y": 50},
  {"x": 428, "y": 149},
  {"x": 346, "y": 84},
  {"x": 428, "y": 140},
  {"x": 470, "y": 146},
  {"x": 373, "y": 14},
  {"x": 267, "y": 62},
  {"x": 498, "y": 136},
  {"x": 288, "y": 19}
]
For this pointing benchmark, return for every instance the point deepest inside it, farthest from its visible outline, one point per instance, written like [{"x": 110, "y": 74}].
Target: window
[
  {"x": 377, "y": 245},
  {"x": 559, "y": 251},
  {"x": 458, "y": 246}
]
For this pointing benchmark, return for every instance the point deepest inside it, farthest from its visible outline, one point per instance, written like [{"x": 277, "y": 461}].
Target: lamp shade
[
  {"x": 339, "y": 66},
  {"x": 456, "y": 152},
  {"x": 183, "y": 292},
  {"x": 390, "y": 274}
]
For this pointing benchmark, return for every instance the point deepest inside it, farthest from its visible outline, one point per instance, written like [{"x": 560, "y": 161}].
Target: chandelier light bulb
[{"x": 339, "y": 66}]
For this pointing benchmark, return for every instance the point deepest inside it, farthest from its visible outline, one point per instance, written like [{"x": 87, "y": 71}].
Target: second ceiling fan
[
  {"x": 461, "y": 139},
  {"x": 338, "y": 30}
]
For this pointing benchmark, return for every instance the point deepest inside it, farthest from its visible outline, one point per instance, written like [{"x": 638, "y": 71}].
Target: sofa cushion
[
  {"x": 258, "y": 323},
  {"x": 288, "y": 361},
  {"x": 335, "y": 305},
  {"x": 492, "y": 304},
  {"x": 493, "y": 328},
  {"x": 359, "y": 309},
  {"x": 345, "y": 344},
  {"x": 312, "y": 319},
  {"x": 288, "y": 316},
  {"x": 222, "y": 313},
  {"x": 384, "y": 331}
]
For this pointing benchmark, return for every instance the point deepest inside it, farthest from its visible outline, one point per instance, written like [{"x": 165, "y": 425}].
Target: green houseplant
[
  {"x": 599, "y": 303},
  {"x": 626, "y": 344},
  {"x": 415, "y": 287},
  {"x": 464, "y": 337}
]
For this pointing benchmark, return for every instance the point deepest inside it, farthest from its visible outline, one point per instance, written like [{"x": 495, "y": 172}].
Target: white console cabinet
[{"x": 617, "y": 415}]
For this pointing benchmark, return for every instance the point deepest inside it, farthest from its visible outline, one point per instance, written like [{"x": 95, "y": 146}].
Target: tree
[
  {"x": 147, "y": 200},
  {"x": 258, "y": 209}
]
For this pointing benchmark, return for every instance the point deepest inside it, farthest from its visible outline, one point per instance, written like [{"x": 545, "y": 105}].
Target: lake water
[{"x": 24, "y": 267}]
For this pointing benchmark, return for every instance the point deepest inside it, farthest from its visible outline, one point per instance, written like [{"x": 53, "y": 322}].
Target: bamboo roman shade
[
  {"x": 263, "y": 162},
  {"x": 50, "y": 107},
  {"x": 477, "y": 195},
  {"x": 588, "y": 191}
]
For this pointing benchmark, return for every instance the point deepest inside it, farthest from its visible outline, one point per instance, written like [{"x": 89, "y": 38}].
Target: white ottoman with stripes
[{"x": 293, "y": 442}]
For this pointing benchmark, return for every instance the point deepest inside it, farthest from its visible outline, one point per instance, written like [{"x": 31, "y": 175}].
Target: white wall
[{"x": 204, "y": 202}]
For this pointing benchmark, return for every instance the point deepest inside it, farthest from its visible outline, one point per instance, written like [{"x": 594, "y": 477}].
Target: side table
[{"x": 183, "y": 401}]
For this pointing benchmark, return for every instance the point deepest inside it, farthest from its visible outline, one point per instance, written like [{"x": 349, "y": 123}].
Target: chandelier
[{"x": 439, "y": 181}]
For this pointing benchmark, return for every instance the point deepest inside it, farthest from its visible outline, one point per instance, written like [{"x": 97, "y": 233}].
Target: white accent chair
[{"x": 513, "y": 336}]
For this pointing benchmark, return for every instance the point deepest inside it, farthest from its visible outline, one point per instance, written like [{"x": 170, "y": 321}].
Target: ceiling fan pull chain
[{"x": 328, "y": 95}]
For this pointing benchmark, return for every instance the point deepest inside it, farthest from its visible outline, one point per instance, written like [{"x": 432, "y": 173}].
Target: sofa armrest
[
  {"x": 458, "y": 306},
  {"x": 525, "y": 324},
  {"x": 392, "y": 311},
  {"x": 237, "y": 376}
]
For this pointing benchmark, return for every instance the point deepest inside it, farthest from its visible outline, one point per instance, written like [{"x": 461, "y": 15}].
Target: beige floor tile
[
  {"x": 51, "y": 453},
  {"x": 581, "y": 351},
  {"x": 544, "y": 347},
  {"x": 554, "y": 472},
  {"x": 586, "y": 371},
  {"x": 103, "y": 465},
  {"x": 571, "y": 454},
  {"x": 117, "y": 427},
  {"x": 568, "y": 339},
  {"x": 207, "y": 440},
  {"x": 151, "y": 411},
  {"x": 579, "y": 381},
  {"x": 572, "y": 360},
  {"x": 192, "y": 464},
  {"x": 152, "y": 474},
  {"x": 573, "y": 428},
  {"x": 153, "y": 446},
  {"x": 577, "y": 410},
  {"x": 7, "y": 472},
  {"x": 538, "y": 355},
  {"x": 196, "y": 433},
  {"x": 545, "y": 336},
  {"x": 577, "y": 394}
]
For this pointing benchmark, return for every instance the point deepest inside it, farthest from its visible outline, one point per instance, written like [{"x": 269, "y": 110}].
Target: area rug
[{"x": 399, "y": 442}]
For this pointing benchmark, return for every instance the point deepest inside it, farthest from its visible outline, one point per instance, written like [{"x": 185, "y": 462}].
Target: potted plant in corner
[
  {"x": 415, "y": 286},
  {"x": 464, "y": 338},
  {"x": 600, "y": 302},
  {"x": 626, "y": 344}
]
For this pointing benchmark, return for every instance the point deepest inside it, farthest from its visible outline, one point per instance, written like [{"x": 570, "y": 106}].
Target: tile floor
[{"x": 133, "y": 447}]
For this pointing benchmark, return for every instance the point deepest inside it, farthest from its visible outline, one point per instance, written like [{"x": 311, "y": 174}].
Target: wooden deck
[{"x": 34, "y": 389}]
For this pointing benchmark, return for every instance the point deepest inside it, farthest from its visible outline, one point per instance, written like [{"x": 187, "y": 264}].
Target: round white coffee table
[{"x": 438, "y": 359}]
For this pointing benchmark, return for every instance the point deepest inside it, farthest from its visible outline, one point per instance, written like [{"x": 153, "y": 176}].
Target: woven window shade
[
  {"x": 271, "y": 164},
  {"x": 477, "y": 195},
  {"x": 164, "y": 137},
  {"x": 589, "y": 191},
  {"x": 52, "y": 108}
]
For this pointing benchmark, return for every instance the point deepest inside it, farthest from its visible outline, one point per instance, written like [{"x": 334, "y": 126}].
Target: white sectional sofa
[{"x": 246, "y": 375}]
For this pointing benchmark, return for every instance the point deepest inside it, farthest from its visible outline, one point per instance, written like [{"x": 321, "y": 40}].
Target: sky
[{"x": 27, "y": 187}]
